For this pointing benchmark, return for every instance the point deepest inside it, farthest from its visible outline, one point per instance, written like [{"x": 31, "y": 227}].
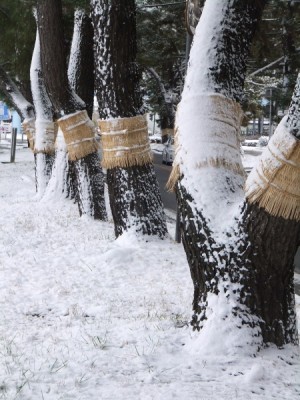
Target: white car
[{"x": 168, "y": 153}]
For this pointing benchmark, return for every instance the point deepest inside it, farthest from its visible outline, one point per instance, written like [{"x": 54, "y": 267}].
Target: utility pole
[{"x": 13, "y": 144}]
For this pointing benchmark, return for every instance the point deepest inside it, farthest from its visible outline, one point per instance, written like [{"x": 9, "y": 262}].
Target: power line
[{"x": 162, "y": 5}]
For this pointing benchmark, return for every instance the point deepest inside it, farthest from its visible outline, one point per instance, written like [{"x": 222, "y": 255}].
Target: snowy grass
[{"x": 84, "y": 316}]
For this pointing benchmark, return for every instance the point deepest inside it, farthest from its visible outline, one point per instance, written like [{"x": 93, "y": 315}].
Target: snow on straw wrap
[
  {"x": 125, "y": 142},
  {"x": 44, "y": 141},
  {"x": 79, "y": 135},
  {"x": 29, "y": 128},
  {"x": 207, "y": 134},
  {"x": 274, "y": 184}
]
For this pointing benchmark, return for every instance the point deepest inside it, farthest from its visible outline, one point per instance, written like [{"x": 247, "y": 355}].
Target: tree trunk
[
  {"x": 81, "y": 63},
  {"x": 44, "y": 126},
  {"x": 274, "y": 241},
  {"x": 210, "y": 172},
  {"x": 134, "y": 194},
  {"x": 79, "y": 135},
  {"x": 167, "y": 116}
]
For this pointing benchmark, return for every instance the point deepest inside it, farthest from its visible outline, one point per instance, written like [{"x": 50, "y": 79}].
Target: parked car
[
  {"x": 168, "y": 153},
  {"x": 156, "y": 138}
]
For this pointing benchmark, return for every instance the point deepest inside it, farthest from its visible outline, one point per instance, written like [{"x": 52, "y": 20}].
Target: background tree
[
  {"x": 161, "y": 54},
  {"x": 274, "y": 60}
]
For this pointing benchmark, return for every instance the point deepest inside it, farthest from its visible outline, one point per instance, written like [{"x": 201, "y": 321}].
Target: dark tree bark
[
  {"x": 53, "y": 57},
  {"x": 253, "y": 265},
  {"x": 273, "y": 244},
  {"x": 81, "y": 63},
  {"x": 89, "y": 175},
  {"x": 134, "y": 194}
]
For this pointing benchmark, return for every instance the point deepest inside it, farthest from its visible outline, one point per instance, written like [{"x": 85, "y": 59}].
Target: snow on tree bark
[
  {"x": 44, "y": 124},
  {"x": 81, "y": 62},
  {"x": 210, "y": 187},
  {"x": 134, "y": 194}
]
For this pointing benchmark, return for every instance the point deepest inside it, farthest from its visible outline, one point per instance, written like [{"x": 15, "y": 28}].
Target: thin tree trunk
[
  {"x": 134, "y": 194},
  {"x": 44, "y": 126},
  {"x": 167, "y": 118},
  {"x": 89, "y": 176}
]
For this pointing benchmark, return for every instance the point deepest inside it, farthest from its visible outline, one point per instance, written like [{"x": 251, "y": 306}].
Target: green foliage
[
  {"x": 161, "y": 45},
  {"x": 17, "y": 37},
  {"x": 18, "y": 31},
  {"x": 277, "y": 38}
]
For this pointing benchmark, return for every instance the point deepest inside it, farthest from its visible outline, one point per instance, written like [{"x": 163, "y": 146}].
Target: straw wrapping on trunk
[
  {"x": 217, "y": 143},
  {"x": 29, "y": 129},
  {"x": 274, "y": 184},
  {"x": 79, "y": 134},
  {"x": 45, "y": 137},
  {"x": 125, "y": 142}
]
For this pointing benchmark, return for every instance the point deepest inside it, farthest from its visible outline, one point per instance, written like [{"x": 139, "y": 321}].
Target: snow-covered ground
[{"x": 84, "y": 316}]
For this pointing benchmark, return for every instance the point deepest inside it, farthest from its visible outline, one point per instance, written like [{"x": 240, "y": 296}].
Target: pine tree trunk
[
  {"x": 87, "y": 167},
  {"x": 134, "y": 193},
  {"x": 44, "y": 137},
  {"x": 274, "y": 241},
  {"x": 219, "y": 260}
]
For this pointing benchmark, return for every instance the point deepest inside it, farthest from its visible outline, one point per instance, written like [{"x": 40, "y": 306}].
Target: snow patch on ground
[{"x": 84, "y": 316}]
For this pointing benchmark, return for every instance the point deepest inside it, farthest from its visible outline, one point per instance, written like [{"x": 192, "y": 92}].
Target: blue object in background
[
  {"x": 16, "y": 122},
  {"x": 4, "y": 112}
]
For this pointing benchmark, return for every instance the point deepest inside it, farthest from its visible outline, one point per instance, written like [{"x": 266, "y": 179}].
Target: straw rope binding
[
  {"x": 217, "y": 144},
  {"x": 79, "y": 135},
  {"x": 29, "y": 129},
  {"x": 274, "y": 184},
  {"x": 125, "y": 142}
]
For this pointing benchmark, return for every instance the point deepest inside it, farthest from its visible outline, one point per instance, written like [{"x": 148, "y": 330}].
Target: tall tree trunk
[
  {"x": 44, "y": 126},
  {"x": 133, "y": 189},
  {"x": 210, "y": 173},
  {"x": 167, "y": 116},
  {"x": 274, "y": 237},
  {"x": 76, "y": 126}
]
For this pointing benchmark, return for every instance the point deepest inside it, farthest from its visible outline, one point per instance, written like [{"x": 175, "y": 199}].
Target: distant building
[{"x": 4, "y": 112}]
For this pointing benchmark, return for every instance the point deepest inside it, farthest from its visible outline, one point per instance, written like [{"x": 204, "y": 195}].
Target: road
[{"x": 162, "y": 173}]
